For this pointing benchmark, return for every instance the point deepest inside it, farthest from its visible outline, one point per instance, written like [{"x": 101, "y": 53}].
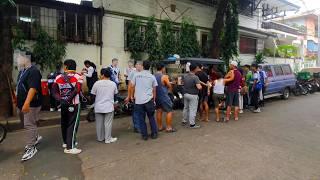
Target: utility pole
[{"x": 318, "y": 60}]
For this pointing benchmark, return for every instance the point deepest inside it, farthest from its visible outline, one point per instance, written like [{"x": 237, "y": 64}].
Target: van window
[
  {"x": 278, "y": 70},
  {"x": 268, "y": 71},
  {"x": 286, "y": 70}
]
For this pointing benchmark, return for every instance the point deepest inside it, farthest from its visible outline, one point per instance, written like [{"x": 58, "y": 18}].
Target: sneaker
[
  {"x": 195, "y": 126},
  {"x": 154, "y": 136},
  {"x": 65, "y": 145},
  {"x": 59, "y": 110},
  {"x": 111, "y": 140},
  {"x": 183, "y": 123},
  {"x": 52, "y": 109},
  {"x": 257, "y": 110},
  {"x": 241, "y": 111},
  {"x": 29, "y": 152},
  {"x": 145, "y": 138},
  {"x": 72, "y": 151},
  {"x": 39, "y": 138}
]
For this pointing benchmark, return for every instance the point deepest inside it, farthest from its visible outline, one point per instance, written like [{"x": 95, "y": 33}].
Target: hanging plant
[
  {"x": 188, "y": 45},
  {"x": 47, "y": 51},
  {"x": 167, "y": 39},
  {"x": 135, "y": 38},
  {"x": 151, "y": 45}
]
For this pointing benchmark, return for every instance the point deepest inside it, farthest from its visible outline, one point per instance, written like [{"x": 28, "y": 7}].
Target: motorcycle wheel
[{"x": 3, "y": 132}]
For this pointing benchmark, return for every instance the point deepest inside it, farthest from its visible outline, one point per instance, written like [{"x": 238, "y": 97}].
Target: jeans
[
  {"x": 135, "y": 119},
  {"x": 141, "y": 111}
]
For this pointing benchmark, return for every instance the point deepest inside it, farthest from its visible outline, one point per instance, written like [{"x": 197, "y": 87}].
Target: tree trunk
[
  {"x": 217, "y": 29},
  {"x": 6, "y": 59}
]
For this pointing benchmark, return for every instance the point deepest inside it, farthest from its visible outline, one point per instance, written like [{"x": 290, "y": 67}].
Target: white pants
[{"x": 240, "y": 101}]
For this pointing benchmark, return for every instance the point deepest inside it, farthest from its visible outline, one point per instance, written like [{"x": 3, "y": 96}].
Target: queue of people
[{"x": 238, "y": 89}]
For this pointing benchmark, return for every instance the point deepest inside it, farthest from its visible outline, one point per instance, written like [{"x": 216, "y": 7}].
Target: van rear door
[{"x": 289, "y": 77}]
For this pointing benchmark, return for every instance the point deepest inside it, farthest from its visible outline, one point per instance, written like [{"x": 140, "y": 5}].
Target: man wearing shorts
[
  {"x": 233, "y": 81},
  {"x": 203, "y": 95},
  {"x": 163, "y": 101}
]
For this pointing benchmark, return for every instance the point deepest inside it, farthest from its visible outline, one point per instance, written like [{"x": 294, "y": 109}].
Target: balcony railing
[{"x": 281, "y": 27}]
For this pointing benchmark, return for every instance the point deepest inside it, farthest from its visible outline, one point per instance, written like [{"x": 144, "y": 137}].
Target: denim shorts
[
  {"x": 232, "y": 99},
  {"x": 166, "y": 105}
]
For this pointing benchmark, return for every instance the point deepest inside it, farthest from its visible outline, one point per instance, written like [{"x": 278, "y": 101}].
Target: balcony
[
  {"x": 281, "y": 27},
  {"x": 207, "y": 2}
]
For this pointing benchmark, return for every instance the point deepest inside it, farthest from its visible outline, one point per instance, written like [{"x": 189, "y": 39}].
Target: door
[{"x": 279, "y": 78}]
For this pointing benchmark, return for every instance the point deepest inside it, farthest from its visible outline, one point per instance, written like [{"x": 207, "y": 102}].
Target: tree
[
  {"x": 167, "y": 39},
  {"x": 151, "y": 45},
  {"x": 188, "y": 45},
  {"x": 7, "y": 11},
  {"x": 217, "y": 28},
  {"x": 135, "y": 39},
  {"x": 259, "y": 58},
  {"x": 47, "y": 51},
  {"x": 231, "y": 34}
]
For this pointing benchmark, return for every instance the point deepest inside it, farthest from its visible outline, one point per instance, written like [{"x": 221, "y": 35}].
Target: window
[
  {"x": 126, "y": 34},
  {"x": 248, "y": 45},
  {"x": 59, "y": 24},
  {"x": 268, "y": 71},
  {"x": 278, "y": 70},
  {"x": 70, "y": 26},
  {"x": 286, "y": 70},
  {"x": 204, "y": 45},
  {"x": 246, "y": 7}
]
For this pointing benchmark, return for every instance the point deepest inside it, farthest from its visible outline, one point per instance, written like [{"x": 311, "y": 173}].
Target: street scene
[{"x": 159, "y": 89}]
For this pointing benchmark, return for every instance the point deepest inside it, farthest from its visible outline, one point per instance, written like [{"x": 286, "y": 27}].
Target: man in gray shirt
[
  {"x": 145, "y": 84},
  {"x": 191, "y": 88}
]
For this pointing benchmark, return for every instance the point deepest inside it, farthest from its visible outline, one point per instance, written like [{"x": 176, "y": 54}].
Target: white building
[{"x": 98, "y": 33}]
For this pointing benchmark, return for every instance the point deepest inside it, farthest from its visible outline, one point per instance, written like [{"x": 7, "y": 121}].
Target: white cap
[{"x": 234, "y": 63}]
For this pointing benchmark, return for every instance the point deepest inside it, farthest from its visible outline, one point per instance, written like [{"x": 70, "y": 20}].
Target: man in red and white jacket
[{"x": 66, "y": 89}]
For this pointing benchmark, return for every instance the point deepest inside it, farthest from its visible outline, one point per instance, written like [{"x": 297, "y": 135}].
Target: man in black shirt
[
  {"x": 203, "y": 94},
  {"x": 29, "y": 101}
]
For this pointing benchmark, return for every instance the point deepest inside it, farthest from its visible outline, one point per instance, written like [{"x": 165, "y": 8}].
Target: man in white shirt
[
  {"x": 115, "y": 71},
  {"x": 90, "y": 73},
  {"x": 128, "y": 71}
]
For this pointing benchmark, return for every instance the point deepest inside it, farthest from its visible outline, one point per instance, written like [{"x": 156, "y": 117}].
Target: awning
[{"x": 204, "y": 61}]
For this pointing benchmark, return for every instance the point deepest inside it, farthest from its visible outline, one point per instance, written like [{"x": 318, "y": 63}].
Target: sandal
[
  {"x": 172, "y": 130},
  {"x": 162, "y": 129}
]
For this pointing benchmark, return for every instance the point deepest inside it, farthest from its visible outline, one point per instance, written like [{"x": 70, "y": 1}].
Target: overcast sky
[{"x": 311, "y": 4}]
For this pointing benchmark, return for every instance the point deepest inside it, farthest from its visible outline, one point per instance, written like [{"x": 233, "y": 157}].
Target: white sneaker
[
  {"x": 257, "y": 110},
  {"x": 39, "y": 138},
  {"x": 65, "y": 145},
  {"x": 52, "y": 109},
  {"x": 29, "y": 152},
  {"x": 111, "y": 140},
  {"x": 72, "y": 151},
  {"x": 241, "y": 111}
]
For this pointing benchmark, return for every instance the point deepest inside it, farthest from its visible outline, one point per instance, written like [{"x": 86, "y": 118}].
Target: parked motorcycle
[
  {"x": 177, "y": 96},
  {"x": 300, "y": 89}
]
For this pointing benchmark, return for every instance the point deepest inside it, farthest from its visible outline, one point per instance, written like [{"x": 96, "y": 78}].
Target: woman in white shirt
[
  {"x": 218, "y": 94},
  {"x": 104, "y": 91}
]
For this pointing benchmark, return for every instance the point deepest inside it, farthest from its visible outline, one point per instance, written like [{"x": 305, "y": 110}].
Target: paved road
[{"x": 283, "y": 142}]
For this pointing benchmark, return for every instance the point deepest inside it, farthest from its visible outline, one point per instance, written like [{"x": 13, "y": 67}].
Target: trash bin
[{"x": 45, "y": 95}]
